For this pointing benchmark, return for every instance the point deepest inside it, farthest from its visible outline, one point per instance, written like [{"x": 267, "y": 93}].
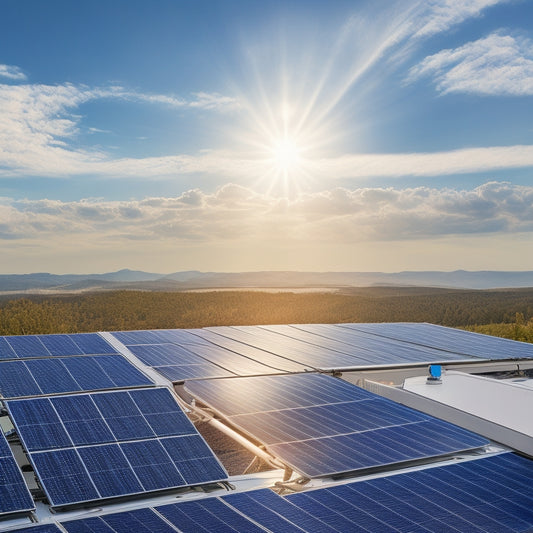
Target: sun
[{"x": 286, "y": 155}]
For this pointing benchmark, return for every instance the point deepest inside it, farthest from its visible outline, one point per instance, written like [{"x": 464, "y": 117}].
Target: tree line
[{"x": 498, "y": 312}]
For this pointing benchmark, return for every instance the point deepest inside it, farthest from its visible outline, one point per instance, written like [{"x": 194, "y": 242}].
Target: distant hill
[{"x": 190, "y": 280}]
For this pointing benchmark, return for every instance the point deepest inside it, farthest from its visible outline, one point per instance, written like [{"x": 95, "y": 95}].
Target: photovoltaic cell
[
  {"x": 14, "y": 495},
  {"x": 489, "y": 494},
  {"x": 96, "y": 446},
  {"x": 320, "y": 425}
]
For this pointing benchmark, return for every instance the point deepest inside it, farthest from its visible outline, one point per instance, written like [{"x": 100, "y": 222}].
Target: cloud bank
[{"x": 238, "y": 214}]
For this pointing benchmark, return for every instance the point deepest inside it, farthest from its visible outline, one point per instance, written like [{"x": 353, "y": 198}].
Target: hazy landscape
[{"x": 191, "y": 280}]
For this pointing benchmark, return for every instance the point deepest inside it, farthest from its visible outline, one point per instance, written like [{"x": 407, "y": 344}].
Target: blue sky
[{"x": 274, "y": 135}]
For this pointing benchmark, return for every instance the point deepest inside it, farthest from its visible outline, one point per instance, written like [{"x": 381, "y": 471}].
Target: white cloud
[
  {"x": 237, "y": 214},
  {"x": 12, "y": 72},
  {"x": 495, "y": 65},
  {"x": 38, "y": 123},
  {"x": 440, "y": 15}
]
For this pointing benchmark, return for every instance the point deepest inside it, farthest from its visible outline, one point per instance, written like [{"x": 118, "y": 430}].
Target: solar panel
[
  {"x": 209, "y": 359},
  {"x": 251, "y": 352},
  {"x": 178, "y": 373},
  {"x": 14, "y": 495},
  {"x": 314, "y": 357},
  {"x": 33, "y": 377},
  {"x": 158, "y": 336},
  {"x": 251, "y": 512},
  {"x": 372, "y": 350},
  {"x": 95, "y": 446},
  {"x": 488, "y": 494},
  {"x": 137, "y": 521},
  {"x": 449, "y": 340},
  {"x": 38, "y": 346},
  {"x": 27, "y": 346},
  {"x": 320, "y": 425},
  {"x": 177, "y": 363}
]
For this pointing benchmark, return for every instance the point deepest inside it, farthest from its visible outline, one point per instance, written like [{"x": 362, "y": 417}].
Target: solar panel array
[
  {"x": 34, "y": 377},
  {"x": 448, "y": 340},
  {"x": 14, "y": 495},
  {"x": 492, "y": 494},
  {"x": 193, "y": 354},
  {"x": 257, "y": 511},
  {"x": 96, "y": 446},
  {"x": 369, "y": 349},
  {"x": 225, "y": 351},
  {"x": 320, "y": 425},
  {"x": 25, "y": 346}
]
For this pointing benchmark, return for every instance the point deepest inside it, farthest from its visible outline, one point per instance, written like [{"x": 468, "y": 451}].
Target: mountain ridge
[{"x": 193, "y": 279}]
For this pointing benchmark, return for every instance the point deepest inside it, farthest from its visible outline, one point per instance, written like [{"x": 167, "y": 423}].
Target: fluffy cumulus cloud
[
  {"x": 495, "y": 65},
  {"x": 238, "y": 214}
]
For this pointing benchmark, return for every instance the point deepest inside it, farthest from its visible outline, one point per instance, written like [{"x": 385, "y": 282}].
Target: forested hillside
[{"x": 124, "y": 310}]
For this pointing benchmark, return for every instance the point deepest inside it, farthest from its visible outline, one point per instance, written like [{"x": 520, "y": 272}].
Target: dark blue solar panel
[
  {"x": 129, "y": 338},
  {"x": 165, "y": 354},
  {"x": 82, "y": 420},
  {"x": 110, "y": 471},
  {"x": 138, "y": 521},
  {"x": 268, "y": 393},
  {"x": 92, "y": 344},
  {"x": 60, "y": 344},
  {"x": 95, "y": 524},
  {"x": 193, "y": 458},
  {"x": 64, "y": 477},
  {"x": 33, "y": 377},
  {"x": 6, "y": 352},
  {"x": 152, "y": 465},
  {"x": 16, "y": 380},
  {"x": 207, "y": 516},
  {"x": 489, "y": 494},
  {"x": 122, "y": 372},
  {"x": 123, "y": 416},
  {"x": 28, "y": 346},
  {"x": 37, "y": 424},
  {"x": 320, "y": 425},
  {"x": 89, "y": 374},
  {"x": 14, "y": 495},
  {"x": 275, "y": 513},
  {"x": 113, "y": 444},
  {"x": 52, "y": 376},
  {"x": 182, "y": 372}
]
